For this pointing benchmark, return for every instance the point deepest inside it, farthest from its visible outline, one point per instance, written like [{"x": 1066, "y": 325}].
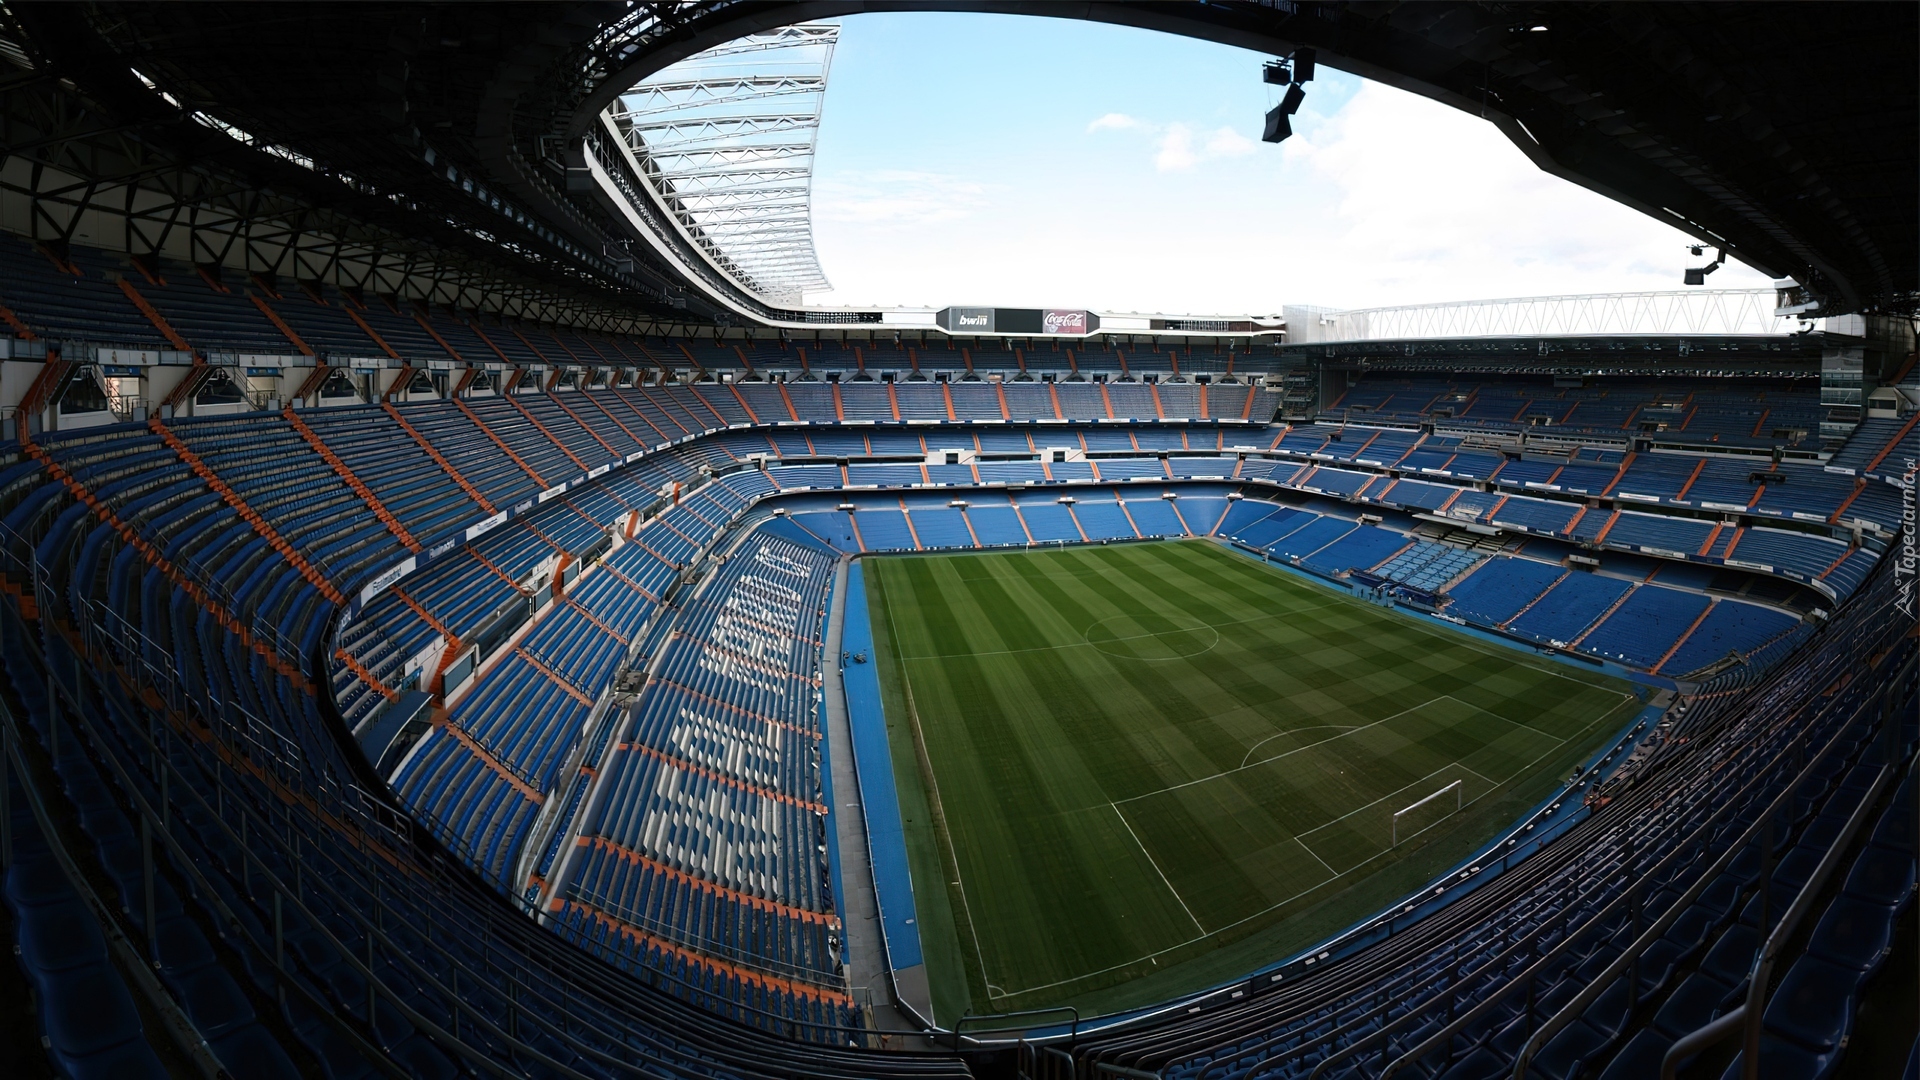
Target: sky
[{"x": 1038, "y": 162}]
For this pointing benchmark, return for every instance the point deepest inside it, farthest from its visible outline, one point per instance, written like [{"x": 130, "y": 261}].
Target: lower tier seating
[{"x": 179, "y": 594}]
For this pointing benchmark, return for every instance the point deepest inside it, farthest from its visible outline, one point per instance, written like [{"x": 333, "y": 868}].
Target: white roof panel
[{"x": 726, "y": 138}]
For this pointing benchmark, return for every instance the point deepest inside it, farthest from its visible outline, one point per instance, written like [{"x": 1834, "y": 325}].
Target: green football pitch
[{"x": 1136, "y": 770}]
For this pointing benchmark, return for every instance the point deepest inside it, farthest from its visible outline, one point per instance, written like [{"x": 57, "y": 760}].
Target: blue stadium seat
[{"x": 246, "y": 632}]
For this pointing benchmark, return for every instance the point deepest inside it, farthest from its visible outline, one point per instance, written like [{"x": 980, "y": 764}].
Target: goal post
[{"x": 1458, "y": 803}]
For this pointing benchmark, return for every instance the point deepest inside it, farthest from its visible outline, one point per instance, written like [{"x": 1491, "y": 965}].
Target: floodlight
[
  {"x": 1303, "y": 65},
  {"x": 1278, "y": 128},
  {"x": 1698, "y": 275}
]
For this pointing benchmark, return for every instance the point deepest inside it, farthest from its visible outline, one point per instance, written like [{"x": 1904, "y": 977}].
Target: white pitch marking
[{"x": 1156, "y": 869}]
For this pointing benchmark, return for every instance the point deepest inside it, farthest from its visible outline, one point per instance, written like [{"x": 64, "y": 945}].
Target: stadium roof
[
  {"x": 1691, "y": 311},
  {"x": 1786, "y": 133},
  {"x": 726, "y": 140}
]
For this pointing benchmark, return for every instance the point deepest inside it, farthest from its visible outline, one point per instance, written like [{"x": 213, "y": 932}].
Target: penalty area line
[
  {"x": 1298, "y": 749},
  {"x": 1156, "y": 869}
]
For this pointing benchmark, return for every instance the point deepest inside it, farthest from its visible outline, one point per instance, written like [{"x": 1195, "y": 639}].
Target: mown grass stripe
[{"x": 1134, "y": 738}]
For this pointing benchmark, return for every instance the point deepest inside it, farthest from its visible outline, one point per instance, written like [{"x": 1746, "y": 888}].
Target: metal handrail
[
  {"x": 1612, "y": 909},
  {"x": 1759, "y": 831},
  {"x": 233, "y": 722},
  {"x": 1750, "y": 1015},
  {"x": 179, "y": 1027},
  {"x": 285, "y": 897},
  {"x": 956, "y": 1033},
  {"x": 1827, "y": 660},
  {"x": 1626, "y": 900},
  {"x": 1596, "y": 882},
  {"x": 371, "y": 923},
  {"x": 269, "y": 729}
]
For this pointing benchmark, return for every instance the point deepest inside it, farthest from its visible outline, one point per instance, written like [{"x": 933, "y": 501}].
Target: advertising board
[
  {"x": 967, "y": 320},
  {"x": 1064, "y": 322}
]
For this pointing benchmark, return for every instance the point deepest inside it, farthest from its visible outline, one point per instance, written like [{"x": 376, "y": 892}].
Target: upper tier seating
[
  {"x": 57, "y": 304},
  {"x": 1873, "y": 442},
  {"x": 1754, "y": 413}
]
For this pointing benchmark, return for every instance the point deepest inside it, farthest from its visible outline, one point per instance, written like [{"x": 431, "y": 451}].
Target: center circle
[{"x": 1152, "y": 637}]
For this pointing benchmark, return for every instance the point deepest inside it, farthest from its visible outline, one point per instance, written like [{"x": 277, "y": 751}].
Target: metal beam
[
  {"x": 1697, "y": 311},
  {"x": 725, "y": 138}
]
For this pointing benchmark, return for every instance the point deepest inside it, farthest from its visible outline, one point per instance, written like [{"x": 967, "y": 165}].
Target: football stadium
[{"x": 477, "y": 602}]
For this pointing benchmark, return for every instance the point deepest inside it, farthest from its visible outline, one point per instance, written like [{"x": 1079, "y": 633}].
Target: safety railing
[
  {"x": 1761, "y": 832},
  {"x": 240, "y": 732},
  {"x": 1746, "y": 1018},
  {"x": 313, "y": 819},
  {"x": 231, "y": 758}
]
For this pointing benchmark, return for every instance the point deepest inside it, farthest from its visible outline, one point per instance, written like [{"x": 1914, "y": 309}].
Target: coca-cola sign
[{"x": 1064, "y": 322}]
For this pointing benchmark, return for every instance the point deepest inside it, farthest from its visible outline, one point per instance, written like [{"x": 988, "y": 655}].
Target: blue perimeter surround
[{"x": 873, "y": 761}]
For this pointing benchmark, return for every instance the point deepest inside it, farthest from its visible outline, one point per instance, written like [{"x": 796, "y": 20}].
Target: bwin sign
[{"x": 970, "y": 320}]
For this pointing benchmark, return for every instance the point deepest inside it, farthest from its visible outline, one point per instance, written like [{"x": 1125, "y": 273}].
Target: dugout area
[{"x": 1132, "y": 771}]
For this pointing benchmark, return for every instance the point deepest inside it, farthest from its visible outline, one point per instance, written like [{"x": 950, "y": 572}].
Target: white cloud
[
  {"x": 1176, "y": 149},
  {"x": 1391, "y": 199},
  {"x": 895, "y": 195},
  {"x": 1429, "y": 204},
  {"x": 1226, "y": 142}
]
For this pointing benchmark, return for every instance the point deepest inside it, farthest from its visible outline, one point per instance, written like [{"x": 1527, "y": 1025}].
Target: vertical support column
[
  {"x": 146, "y": 870},
  {"x": 53, "y": 726},
  {"x": 6, "y": 795},
  {"x": 1766, "y": 874},
  {"x": 279, "y": 946},
  {"x": 373, "y": 977},
  {"x": 1890, "y": 722}
]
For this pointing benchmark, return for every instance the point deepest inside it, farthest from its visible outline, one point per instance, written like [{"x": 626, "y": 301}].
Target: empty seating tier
[{"x": 488, "y": 725}]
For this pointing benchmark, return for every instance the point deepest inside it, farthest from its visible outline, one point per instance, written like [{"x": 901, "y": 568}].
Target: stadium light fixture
[
  {"x": 1277, "y": 127},
  {"x": 1697, "y": 275},
  {"x": 1303, "y": 65}
]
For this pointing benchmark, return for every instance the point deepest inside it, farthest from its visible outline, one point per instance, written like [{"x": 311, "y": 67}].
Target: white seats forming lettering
[
  {"x": 705, "y": 825},
  {"x": 698, "y": 824},
  {"x": 723, "y": 747}
]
